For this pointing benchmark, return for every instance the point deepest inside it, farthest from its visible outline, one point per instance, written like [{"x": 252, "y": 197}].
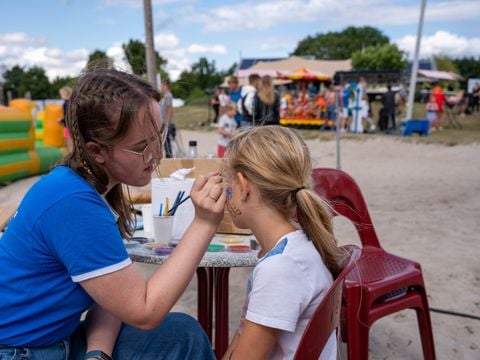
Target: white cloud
[
  {"x": 21, "y": 38},
  {"x": 441, "y": 43},
  {"x": 329, "y": 13},
  {"x": 165, "y": 41},
  {"x": 118, "y": 55},
  {"x": 212, "y": 49}
]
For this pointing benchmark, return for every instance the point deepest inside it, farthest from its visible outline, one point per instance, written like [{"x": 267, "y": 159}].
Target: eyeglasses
[{"x": 148, "y": 152}]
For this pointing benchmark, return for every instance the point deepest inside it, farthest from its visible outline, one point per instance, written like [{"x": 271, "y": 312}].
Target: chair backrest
[
  {"x": 326, "y": 318},
  {"x": 344, "y": 196}
]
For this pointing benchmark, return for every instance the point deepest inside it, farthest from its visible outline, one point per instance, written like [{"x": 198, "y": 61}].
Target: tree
[
  {"x": 13, "y": 80},
  {"x": 206, "y": 74},
  {"x": 36, "y": 81},
  {"x": 340, "y": 45},
  {"x": 444, "y": 63},
  {"x": 99, "y": 59},
  {"x": 380, "y": 57},
  {"x": 202, "y": 77},
  {"x": 19, "y": 82},
  {"x": 136, "y": 57}
]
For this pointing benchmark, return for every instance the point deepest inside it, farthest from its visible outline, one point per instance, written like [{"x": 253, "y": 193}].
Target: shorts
[{"x": 220, "y": 151}]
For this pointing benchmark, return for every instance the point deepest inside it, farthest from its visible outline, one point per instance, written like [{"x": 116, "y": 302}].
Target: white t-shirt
[
  {"x": 223, "y": 99},
  {"x": 228, "y": 124},
  {"x": 284, "y": 290}
]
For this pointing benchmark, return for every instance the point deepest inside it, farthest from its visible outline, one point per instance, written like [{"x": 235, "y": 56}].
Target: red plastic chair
[
  {"x": 326, "y": 318},
  {"x": 381, "y": 283}
]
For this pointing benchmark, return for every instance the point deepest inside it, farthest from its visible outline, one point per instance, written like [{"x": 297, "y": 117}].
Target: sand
[{"x": 425, "y": 204}]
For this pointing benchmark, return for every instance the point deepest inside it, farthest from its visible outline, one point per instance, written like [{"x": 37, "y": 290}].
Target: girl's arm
[
  {"x": 143, "y": 304},
  {"x": 102, "y": 330},
  {"x": 255, "y": 342},
  {"x": 224, "y": 132}
]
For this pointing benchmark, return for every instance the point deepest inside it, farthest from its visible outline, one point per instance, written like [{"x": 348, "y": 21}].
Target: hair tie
[{"x": 297, "y": 190}]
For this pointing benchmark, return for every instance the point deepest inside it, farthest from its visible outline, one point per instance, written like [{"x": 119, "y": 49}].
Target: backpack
[
  {"x": 266, "y": 114},
  {"x": 246, "y": 116}
]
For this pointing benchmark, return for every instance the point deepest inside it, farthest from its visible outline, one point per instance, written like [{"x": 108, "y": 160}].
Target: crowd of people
[
  {"x": 260, "y": 103},
  {"x": 348, "y": 105}
]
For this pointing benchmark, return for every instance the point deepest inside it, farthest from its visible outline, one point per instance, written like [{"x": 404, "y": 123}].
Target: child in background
[
  {"x": 366, "y": 115},
  {"x": 65, "y": 92},
  {"x": 432, "y": 113},
  {"x": 267, "y": 171},
  {"x": 226, "y": 126}
]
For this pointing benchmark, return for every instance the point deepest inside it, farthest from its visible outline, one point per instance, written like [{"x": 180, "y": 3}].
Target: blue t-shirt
[
  {"x": 235, "y": 97},
  {"x": 63, "y": 233}
]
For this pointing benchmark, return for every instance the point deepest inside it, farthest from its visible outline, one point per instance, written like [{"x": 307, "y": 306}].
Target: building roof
[{"x": 293, "y": 63}]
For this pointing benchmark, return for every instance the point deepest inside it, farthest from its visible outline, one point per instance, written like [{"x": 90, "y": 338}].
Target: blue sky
[{"x": 58, "y": 35}]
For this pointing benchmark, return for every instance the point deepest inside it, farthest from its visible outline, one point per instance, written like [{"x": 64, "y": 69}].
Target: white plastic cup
[
  {"x": 163, "y": 228},
  {"x": 168, "y": 187},
  {"x": 147, "y": 219}
]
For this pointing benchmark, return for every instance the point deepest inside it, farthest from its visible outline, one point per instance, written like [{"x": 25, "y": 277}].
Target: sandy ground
[{"x": 425, "y": 203}]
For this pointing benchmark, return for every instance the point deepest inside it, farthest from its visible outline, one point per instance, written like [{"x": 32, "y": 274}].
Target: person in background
[
  {"x": 267, "y": 172},
  {"x": 346, "y": 95},
  {"x": 235, "y": 94},
  {"x": 440, "y": 99},
  {"x": 72, "y": 224},
  {"x": 389, "y": 108},
  {"x": 432, "y": 113},
  {"x": 266, "y": 105},
  {"x": 226, "y": 126},
  {"x": 331, "y": 107},
  {"x": 366, "y": 115},
  {"x": 215, "y": 102},
  {"x": 223, "y": 99},
  {"x": 65, "y": 92},
  {"x": 246, "y": 107},
  {"x": 166, "y": 106}
]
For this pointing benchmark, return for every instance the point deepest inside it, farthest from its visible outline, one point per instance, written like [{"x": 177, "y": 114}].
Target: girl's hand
[{"x": 208, "y": 198}]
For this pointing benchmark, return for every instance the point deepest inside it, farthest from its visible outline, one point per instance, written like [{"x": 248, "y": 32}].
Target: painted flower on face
[
  {"x": 228, "y": 192},
  {"x": 234, "y": 210}
]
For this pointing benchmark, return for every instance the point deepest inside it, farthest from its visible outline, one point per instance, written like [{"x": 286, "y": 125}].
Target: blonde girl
[{"x": 267, "y": 171}]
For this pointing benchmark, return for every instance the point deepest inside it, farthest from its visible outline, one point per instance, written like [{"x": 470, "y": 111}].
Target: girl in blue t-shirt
[
  {"x": 268, "y": 185},
  {"x": 64, "y": 248}
]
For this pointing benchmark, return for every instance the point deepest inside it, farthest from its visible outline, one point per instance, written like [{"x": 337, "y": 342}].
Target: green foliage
[
  {"x": 20, "y": 82},
  {"x": 380, "y": 57},
  {"x": 445, "y": 64},
  {"x": 340, "y": 45},
  {"x": 135, "y": 52},
  {"x": 203, "y": 76},
  {"x": 99, "y": 59},
  {"x": 468, "y": 67}
]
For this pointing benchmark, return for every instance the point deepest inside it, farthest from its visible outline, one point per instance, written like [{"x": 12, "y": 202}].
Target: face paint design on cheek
[
  {"x": 231, "y": 206},
  {"x": 228, "y": 192}
]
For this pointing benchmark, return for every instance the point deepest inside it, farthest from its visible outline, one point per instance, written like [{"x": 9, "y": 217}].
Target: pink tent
[{"x": 440, "y": 75}]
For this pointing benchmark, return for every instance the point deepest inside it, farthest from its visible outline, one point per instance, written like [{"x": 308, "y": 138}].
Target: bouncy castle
[{"x": 21, "y": 153}]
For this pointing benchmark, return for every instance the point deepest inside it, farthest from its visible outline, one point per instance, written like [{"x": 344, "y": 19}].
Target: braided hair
[{"x": 103, "y": 106}]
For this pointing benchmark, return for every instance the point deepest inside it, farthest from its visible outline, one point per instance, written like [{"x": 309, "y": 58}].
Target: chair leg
[
  {"x": 357, "y": 333},
  {"x": 425, "y": 329}
]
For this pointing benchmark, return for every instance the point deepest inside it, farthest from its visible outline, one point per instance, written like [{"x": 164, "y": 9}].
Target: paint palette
[
  {"x": 166, "y": 250},
  {"x": 231, "y": 240},
  {"x": 154, "y": 245},
  {"x": 215, "y": 247},
  {"x": 238, "y": 248}
]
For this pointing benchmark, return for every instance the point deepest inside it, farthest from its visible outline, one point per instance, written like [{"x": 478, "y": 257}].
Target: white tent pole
[{"x": 413, "y": 75}]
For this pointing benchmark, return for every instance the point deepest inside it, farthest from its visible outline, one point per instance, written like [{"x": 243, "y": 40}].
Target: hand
[{"x": 208, "y": 198}]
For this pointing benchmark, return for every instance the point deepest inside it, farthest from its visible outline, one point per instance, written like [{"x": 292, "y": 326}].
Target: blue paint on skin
[{"x": 228, "y": 192}]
